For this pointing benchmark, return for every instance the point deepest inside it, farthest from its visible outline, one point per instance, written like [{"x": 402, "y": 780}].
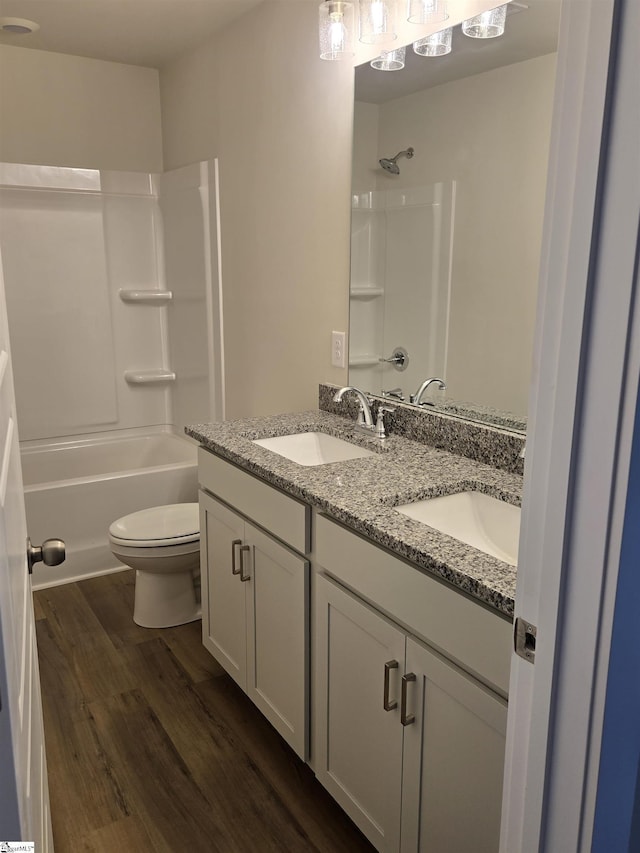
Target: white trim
[
  {"x": 578, "y": 454},
  {"x": 569, "y": 211},
  {"x": 4, "y": 361},
  {"x": 209, "y": 196},
  {"x": 220, "y": 293},
  {"x": 607, "y": 417},
  {"x": 6, "y": 460},
  {"x": 45, "y": 583}
]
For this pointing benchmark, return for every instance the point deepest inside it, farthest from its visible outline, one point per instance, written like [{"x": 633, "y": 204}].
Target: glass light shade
[
  {"x": 427, "y": 11},
  {"x": 437, "y": 44},
  {"x": 337, "y": 29},
  {"x": 377, "y": 21},
  {"x": 390, "y": 60},
  {"x": 488, "y": 25}
]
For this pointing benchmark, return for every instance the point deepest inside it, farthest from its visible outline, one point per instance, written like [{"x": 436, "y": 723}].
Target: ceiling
[
  {"x": 136, "y": 32},
  {"x": 531, "y": 30},
  {"x": 152, "y": 32}
]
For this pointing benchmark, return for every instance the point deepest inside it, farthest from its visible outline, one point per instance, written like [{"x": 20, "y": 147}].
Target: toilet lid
[{"x": 158, "y": 523}]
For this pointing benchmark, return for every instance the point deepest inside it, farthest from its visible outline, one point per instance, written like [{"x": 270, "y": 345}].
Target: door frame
[{"x": 582, "y": 408}]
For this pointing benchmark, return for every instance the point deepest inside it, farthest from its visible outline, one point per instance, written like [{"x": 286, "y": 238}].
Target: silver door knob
[{"x": 51, "y": 553}]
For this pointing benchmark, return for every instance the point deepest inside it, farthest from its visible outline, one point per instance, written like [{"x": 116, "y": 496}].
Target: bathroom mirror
[{"x": 446, "y": 239}]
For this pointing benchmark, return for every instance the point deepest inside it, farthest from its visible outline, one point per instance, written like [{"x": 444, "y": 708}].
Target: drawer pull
[
  {"x": 243, "y": 577},
  {"x": 234, "y": 570},
  {"x": 406, "y": 719},
  {"x": 387, "y": 705}
]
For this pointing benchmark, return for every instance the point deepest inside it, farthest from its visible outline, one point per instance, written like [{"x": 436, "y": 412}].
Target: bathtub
[{"x": 74, "y": 490}]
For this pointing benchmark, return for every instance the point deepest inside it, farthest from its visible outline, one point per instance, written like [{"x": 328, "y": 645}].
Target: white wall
[
  {"x": 365, "y": 155},
  {"x": 71, "y": 111},
  {"x": 490, "y": 133},
  {"x": 279, "y": 119}
]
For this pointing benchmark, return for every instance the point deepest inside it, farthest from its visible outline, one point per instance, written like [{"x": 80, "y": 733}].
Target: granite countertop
[{"x": 361, "y": 493}]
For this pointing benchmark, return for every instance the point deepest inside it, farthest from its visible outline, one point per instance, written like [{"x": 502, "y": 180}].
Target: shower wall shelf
[
  {"x": 149, "y": 377},
  {"x": 146, "y": 297},
  {"x": 364, "y": 292}
]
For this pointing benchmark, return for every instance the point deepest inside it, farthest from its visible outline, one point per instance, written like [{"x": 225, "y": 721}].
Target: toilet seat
[{"x": 158, "y": 527}]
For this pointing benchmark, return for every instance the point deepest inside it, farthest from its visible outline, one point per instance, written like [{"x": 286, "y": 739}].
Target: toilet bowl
[{"x": 162, "y": 544}]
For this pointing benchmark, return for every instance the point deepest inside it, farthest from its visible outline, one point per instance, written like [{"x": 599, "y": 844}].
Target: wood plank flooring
[{"x": 152, "y": 747}]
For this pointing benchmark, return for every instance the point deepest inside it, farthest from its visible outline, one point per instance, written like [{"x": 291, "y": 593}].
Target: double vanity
[{"x": 360, "y": 591}]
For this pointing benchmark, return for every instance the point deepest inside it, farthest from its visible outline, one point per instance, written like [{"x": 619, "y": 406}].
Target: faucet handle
[
  {"x": 396, "y": 393},
  {"x": 380, "y": 428}
]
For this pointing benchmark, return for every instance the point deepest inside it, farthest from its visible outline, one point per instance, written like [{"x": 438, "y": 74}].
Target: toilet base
[{"x": 163, "y": 600}]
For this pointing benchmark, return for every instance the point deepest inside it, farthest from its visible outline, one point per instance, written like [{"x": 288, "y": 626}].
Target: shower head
[{"x": 391, "y": 165}]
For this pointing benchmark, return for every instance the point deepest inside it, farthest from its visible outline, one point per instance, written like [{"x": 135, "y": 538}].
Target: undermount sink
[
  {"x": 485, "y": 523},
  {"x": 313, "y": 448}
]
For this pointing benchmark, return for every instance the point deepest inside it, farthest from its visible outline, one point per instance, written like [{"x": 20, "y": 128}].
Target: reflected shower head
[{"x": 391, "y": 165}]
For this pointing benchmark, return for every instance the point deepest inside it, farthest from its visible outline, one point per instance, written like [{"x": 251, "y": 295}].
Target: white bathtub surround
[
  {"x": 188, "y": 200},
  {"x": 73, "y": 242},
  {"x": 76, "y": 489}
]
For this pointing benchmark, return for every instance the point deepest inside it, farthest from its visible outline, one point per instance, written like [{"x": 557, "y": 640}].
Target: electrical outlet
[{"x": 338, "y": 347}]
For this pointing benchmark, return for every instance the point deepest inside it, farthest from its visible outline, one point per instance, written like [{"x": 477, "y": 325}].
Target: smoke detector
[{"x": 18, "y": 26}]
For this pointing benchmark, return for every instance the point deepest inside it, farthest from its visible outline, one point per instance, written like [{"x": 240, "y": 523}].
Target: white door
[
  {"x": 358, "y": 735},
  {"x": 24, "y": 793},
  {"x": 224, "y": 621},
  {"x": 277, "y": 628},
  {"x": 453, "y": 757},
  {"x": 582, "y": 405}
]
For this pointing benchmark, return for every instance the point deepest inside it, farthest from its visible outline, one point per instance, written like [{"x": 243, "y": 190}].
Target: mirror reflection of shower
[
  {"x": 401, "y": 249},
  {"x": 391, "y": 165}
]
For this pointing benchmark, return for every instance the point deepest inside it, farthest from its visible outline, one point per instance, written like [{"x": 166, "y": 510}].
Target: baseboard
[{"x": 44, "y": 584}]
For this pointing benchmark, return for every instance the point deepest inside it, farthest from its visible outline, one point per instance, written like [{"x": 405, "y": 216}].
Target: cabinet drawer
[
  {"x": 281, "y": 515},
  {"x": 462, "y": 630}
]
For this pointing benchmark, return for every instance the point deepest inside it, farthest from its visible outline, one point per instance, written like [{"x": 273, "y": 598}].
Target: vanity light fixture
[
  {"x": 487, "y": 25},
  {"x": 390, "y": 60},
  {"x": 337, "y": 28},
  {"x": 427, "y": 11},
  {"x": 437, "y": 44},
  {"x": 377, "y": 21}
]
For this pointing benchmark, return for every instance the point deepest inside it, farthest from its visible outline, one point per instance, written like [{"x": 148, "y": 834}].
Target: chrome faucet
[
  {"x": 365, "y": 418},
  {"x": 417, "y": 397}
]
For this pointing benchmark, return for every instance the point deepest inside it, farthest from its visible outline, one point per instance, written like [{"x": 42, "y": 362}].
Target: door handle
[
  {"x": 52, "y": 552},
  {"x": 243, "y": 550},
  {"x": 386, "y": 704},
  {"x": 406, "y": 719},
  {"x": 235, "y": 542}
]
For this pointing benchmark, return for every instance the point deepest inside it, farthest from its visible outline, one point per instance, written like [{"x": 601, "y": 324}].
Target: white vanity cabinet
[
  {"x": 255, "y": 595},
  {"x": 410, "y": 676},
  {"x": 409, "y": 744}
]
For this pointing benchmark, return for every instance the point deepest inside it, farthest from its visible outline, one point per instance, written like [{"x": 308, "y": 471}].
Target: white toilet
[{"x": 163, "y": 545}]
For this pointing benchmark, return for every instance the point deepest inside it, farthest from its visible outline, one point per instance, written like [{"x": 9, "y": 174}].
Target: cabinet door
[
  {"x": 453, "y": 759},
  {"x": 358, "y": 744},
  {"x": 224, "y": 623},
  {"x": 278, "y": 624}
]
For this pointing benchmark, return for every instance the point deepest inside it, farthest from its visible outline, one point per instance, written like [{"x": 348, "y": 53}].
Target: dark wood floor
[{"x": 152, "y": 747}]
